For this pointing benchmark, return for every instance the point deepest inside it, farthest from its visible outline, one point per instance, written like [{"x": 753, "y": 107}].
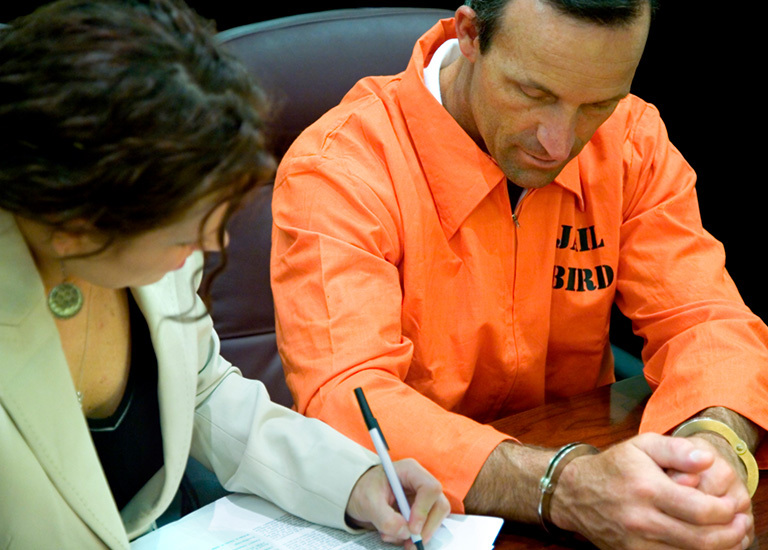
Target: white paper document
[{"x": 247, "y": 522}]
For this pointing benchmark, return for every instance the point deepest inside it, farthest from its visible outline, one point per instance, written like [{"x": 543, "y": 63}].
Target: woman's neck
[{"x": 39, "y": 241}]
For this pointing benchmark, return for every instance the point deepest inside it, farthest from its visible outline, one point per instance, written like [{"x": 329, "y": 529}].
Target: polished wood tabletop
[{"x": 600, "y": 417}]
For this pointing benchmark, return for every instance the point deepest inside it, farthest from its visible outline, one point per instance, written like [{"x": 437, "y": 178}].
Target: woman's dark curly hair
[{"x": 124, "y": 114}]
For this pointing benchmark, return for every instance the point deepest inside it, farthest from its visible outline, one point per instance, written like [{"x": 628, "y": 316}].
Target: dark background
[{"x": 699, "y": 70}]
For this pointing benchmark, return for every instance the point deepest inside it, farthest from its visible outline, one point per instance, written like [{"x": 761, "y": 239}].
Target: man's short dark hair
[{"x": 600, "y": 12}]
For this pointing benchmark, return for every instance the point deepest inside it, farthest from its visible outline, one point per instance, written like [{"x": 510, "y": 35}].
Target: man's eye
[
  {"x": 532, "y": 93},
  {"x": 602, "y": 106}
]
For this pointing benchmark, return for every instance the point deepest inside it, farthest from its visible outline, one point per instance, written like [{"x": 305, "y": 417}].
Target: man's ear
[{"x": 467, "y": 32}]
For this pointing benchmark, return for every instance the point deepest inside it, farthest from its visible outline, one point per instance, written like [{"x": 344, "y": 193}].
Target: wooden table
[{"x": 600, "y": 417}]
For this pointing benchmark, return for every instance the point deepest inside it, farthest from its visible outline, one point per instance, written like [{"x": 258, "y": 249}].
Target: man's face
[{"x": 544, "y": 86}]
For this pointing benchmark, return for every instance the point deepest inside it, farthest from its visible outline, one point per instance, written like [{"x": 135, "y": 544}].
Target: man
[{"x": 452, "y": 238}]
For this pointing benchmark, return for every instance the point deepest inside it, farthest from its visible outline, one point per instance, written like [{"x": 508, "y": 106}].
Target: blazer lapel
[
  {"x": 176, "y": 351},
  {"x": 37, "y": 391}
]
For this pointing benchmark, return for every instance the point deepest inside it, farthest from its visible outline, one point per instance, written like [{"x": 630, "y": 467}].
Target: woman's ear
[
  {"x": 65, "y": 243},
  {"x": 77, "y": 239}
]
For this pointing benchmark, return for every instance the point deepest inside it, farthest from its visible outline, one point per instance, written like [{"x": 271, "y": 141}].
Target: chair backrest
[{"x": 305, "y": 63}]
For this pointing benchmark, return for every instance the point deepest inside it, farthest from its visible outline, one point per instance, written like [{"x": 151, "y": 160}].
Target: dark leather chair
[{"x": 305, "y": 63}]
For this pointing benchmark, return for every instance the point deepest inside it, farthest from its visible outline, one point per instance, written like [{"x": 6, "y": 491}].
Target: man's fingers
[
  {"x": 674, "y": 453},
  {"x": 694, "y": 507},
  {"x": 668, "y": 533},
  {"x": 684, "y": 478},
  {"x": 737, "y": 534}
]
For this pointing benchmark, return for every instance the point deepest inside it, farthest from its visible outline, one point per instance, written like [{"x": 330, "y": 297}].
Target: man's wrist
[
  {"x": 551, "y": 477},
  {"x": 715, "y": 432},
  {"x": 748, "y": 431},
  {"x": 508, "y": 484}
]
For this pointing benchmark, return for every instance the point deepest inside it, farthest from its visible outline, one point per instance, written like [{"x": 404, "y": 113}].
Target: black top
[
  {"x": 514, "y": 193},
  {"x": 129, "y": 443}
]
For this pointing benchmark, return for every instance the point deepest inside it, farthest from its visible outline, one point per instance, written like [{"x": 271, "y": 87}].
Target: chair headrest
[{"x": 307, "y": 62}]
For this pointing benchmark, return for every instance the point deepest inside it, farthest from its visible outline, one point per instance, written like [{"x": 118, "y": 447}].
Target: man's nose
[{"x": 557, "y": 134}]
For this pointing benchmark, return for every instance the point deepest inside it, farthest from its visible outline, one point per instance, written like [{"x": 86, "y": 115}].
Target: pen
[{"x": 382, "y": 450}]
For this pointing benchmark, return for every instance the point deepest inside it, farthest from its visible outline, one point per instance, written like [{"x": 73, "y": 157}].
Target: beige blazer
[{"x": 53, "y": 493}]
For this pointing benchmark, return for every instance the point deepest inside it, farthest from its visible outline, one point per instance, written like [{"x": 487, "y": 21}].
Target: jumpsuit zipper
[{"x": 512, "y": 332}]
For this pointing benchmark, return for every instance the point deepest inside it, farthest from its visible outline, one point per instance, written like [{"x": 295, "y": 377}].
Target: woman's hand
[{"x": 372, "y": 503}]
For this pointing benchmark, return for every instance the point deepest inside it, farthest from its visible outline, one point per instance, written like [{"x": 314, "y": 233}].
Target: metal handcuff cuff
[
  {"x": 741, "y": 449},
  {"x": 549, "y": 480}
]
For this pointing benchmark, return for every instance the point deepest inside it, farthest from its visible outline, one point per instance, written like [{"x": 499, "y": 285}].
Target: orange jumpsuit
[{"x": 398, "y": 267}]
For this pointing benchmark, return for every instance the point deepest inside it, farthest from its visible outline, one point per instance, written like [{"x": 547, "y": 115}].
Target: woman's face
[{"x": 146, "y": 258}]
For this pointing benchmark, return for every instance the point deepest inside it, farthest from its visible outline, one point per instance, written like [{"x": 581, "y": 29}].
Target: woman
[{"x": 127, "y": 138}]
